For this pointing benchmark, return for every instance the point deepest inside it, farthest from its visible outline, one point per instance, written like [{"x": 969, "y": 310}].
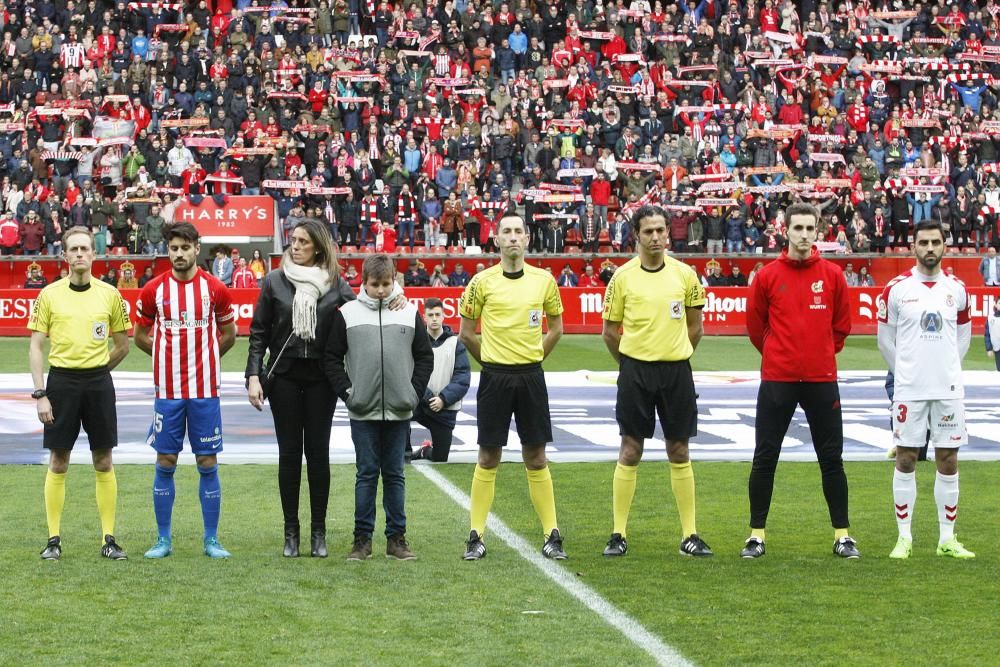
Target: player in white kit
[{"x": 924, "y": 331}]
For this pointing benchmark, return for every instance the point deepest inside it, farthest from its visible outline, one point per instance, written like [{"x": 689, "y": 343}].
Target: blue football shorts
[{"x": 200, "y": 418}]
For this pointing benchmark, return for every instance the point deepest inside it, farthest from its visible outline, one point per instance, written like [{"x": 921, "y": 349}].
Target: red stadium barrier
[{"x": 725, "y": 310}]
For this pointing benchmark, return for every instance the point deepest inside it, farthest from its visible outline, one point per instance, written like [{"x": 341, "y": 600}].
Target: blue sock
[
  {"x": 163, "y": 499},
  {"x": 210, "y": 492}
]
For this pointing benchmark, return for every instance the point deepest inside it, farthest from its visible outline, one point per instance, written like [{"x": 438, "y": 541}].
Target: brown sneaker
[
  {"x": 362, "y": 549},
  {"x": 397, "y": 548}
]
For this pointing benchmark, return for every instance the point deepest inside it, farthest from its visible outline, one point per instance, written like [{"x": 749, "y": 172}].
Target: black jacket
[{"x": 272, "y": 323}]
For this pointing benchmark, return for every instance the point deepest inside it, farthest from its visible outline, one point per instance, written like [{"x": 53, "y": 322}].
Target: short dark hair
[
  {"x": 433, "y": 302},
  {"x": 378, "y": 266},
  {"x": 181, "y": 230},
  {"x": 646, "y": 211},
  {"x": 802, "y": 208},
  {"x": 929, "y": 225}
]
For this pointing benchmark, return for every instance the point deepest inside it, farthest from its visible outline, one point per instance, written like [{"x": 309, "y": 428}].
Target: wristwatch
[{"x": 39, "y": 393}]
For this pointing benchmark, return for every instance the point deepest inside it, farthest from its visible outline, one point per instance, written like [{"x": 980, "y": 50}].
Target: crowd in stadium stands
[{"x": 421, "y": 123}]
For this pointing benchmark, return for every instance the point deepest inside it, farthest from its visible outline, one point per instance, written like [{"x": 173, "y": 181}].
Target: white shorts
[{"x": 945, "y": 419}]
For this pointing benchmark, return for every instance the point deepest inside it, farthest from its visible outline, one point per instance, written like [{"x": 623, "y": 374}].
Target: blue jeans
[
  {"x": 378, "y": 448},
  {"x": 367, "y": 235},
  {"x": 405, "y": 229}
]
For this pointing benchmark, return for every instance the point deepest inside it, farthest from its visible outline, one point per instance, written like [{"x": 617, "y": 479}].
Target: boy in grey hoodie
[{"x": 379, "y": 362}]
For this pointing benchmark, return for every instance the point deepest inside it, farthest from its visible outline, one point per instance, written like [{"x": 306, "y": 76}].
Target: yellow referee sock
[
  {"x": 107, "y": 500},
  {"x": 543, "y": 498},
  {"x": 55, "y": 498},
  {"x": 682, "y": 484},
  {"x": 481, "y": 497},
  {"x": 622, "y": 492}
]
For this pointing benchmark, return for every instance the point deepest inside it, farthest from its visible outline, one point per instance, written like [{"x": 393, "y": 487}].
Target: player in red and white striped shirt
[
  {"x": 71, "y": 54},
  {"x": 186, "y": 324}
]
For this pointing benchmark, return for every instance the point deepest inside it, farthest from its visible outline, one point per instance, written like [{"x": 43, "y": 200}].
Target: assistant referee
[
  {"x": 512, "y": 299},
  {"x": 652, "y": 325},
  {"x": 78, "y": 315}
]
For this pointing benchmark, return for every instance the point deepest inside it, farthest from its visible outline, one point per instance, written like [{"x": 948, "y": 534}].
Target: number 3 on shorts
[{"x": 900, "y": 413}]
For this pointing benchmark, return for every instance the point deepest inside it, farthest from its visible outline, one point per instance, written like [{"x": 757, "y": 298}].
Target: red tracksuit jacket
[{"x": 798, "y": 317}]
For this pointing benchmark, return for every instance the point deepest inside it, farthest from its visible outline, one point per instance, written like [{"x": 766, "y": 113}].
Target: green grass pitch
[
  {"x": 799, "y": 604},
  {"x": 714, "y": 353}
]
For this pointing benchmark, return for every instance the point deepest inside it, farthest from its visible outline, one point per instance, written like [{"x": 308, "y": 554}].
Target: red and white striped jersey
[
  {"x": 185, "y": 319},
  {"x": 926, "y": 312},
  {"x": 72, "y": 54}
]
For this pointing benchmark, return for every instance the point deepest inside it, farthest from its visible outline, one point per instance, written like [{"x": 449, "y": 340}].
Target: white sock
[
  {"x": 946, "y": 498},
  {"x": 904, "y": 495}
]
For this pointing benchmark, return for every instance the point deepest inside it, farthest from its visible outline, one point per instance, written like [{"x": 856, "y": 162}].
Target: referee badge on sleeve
[
  {"x": 534, "y": 318},
  {"x": 99, "y": 331},
  {"x": 676, "y": 310}
]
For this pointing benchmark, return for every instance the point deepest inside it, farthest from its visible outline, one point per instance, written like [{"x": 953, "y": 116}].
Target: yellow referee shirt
[
  {"x": 511, "y": 311},
  {"x": 650, "y": 305},
  {"x": 79, "y": 324}
]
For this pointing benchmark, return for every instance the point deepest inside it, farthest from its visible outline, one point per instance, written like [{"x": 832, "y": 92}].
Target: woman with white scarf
[{"x": 290, "y": 324}]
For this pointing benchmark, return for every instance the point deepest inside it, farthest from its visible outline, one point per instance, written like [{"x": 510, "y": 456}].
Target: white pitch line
[{"x": 657, "y": 649}]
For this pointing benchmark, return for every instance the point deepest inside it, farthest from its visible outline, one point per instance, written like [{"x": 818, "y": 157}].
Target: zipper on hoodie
[{"x": 381, "y": 352}]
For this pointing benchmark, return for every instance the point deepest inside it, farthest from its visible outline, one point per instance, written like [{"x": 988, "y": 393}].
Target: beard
[{"x": 930, "y": 261}]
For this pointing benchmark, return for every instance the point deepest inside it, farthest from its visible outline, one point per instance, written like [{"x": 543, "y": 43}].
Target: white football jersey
[{"x": 926, "y": 312}]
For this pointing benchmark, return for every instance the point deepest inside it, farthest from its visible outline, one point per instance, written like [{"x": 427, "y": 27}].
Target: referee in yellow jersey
[
  {"x": 78, "y": 315},
  {"x": 511, "y": 300},
  {"x": 652, "y": 325}
]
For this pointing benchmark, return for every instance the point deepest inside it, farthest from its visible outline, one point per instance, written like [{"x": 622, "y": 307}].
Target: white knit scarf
[{"x": 311, "y": 283}]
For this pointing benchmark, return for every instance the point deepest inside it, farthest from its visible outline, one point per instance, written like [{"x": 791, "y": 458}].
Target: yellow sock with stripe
[
  {"x": 55, "y": 498},
  {"x": 481, "y": 497},
  {"x": 758, "y": 533},
  {"x": 543, "y": 497},
  {"x": 682, "y": 484},
  {"x": 107, "y": 500},
  {"x": 839, "y": 533},
  {"x": 622, "y": 492}
]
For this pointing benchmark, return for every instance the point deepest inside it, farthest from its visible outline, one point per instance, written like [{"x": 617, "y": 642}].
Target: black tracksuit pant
[{"x": 776, "y": 403}]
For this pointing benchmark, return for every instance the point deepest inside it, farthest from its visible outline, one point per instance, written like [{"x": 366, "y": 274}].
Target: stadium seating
[
  {"x": 573, "y": 240},
  {"x": 604, "y": 246}
]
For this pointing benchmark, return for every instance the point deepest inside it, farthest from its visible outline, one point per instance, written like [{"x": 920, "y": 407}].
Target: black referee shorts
[
  {"x": 518, "y": 391},
  {"x": 81, "y": 397},
  {"x": 648, "y": 388}
]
